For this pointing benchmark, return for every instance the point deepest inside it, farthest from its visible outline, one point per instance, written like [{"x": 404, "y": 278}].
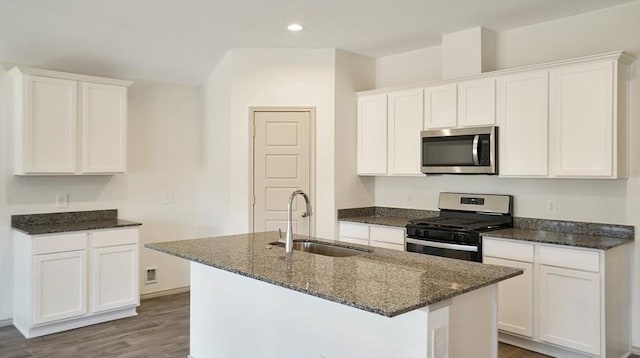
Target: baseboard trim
[
  {"x": 6, "y": 322},
  {"x": 172, "y": 291},
  {"x": 635, "y": 350},
  {"x": 539, "y": 347}
]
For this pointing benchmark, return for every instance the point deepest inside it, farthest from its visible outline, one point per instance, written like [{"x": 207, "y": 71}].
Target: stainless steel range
[{"x": 456, "y": 232}]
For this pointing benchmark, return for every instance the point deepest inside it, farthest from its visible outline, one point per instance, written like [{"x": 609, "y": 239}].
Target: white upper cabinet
[
  {"x": 523, "y": 116},
  {"x": 477, "y": 103},
  {"x": 441, "y": 106},
  {"x": 405, "y": 123},
  {"x": 464, "y": 104},
  {"x": 584, "y": 124},
  {"x": 104, "y": 128},
  {"x": 68, "y": 124},
  {"x": 565, "y": 119},
  {"x": 372, "y": 135},
  {"x": 46, "y": 136}
]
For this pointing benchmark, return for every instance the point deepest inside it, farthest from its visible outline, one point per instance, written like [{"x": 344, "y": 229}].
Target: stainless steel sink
[{"x": 322, "y": 248}]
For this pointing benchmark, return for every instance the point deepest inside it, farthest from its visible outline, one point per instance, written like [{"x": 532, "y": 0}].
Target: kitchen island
[{"x": 250, "y": 299}]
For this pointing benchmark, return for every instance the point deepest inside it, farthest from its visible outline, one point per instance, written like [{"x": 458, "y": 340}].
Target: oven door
[
  {"x": 459, "y": 151},
  {"x": 444, "y": 249}
]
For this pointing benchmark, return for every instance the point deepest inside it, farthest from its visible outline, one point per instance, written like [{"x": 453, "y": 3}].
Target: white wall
[
  {"x": 162, "y": 157},
  {"x": 586, "y": 200},
  {"x": 215, "y": 160},
  {"x": 353, "y": 73},
  {"x": 409, "y": 67},
  {"x": 262, "y": 78}
]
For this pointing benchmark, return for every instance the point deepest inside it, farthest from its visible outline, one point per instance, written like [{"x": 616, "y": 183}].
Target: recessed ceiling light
[{"x": 295, "y": 27}]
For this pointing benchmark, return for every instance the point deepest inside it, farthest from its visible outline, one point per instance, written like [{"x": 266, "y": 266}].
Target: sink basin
[{"x": 322, "y": 248}]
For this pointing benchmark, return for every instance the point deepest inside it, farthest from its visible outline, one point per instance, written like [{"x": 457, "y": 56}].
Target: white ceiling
[{"x": 181, "y": 40}]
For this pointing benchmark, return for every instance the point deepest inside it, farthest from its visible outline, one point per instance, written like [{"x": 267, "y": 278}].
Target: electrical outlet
[
  {"x": 151, "y": 276},
  {"x": 552, "y": 206},
  {"x": 62, "y": 200},
  {"x": 167, "y": 198}
]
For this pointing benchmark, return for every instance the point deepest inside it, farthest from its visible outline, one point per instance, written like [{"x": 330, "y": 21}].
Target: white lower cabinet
[
  {"x": 515, "y": 298},
  {"x": 570, "y": 308},
  {"x": 570, "y": 301},
  {"x": 114, "y": 277},
  {"x": 59, "y": 286},
  {"x": 385, "y": 237},
  {"x": 69, "y": 280}
]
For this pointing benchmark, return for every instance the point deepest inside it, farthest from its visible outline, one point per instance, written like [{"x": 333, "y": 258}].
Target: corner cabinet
[
  {"x": 69, "y": 280},
  {"x": 372, "y": 135},
  {"x": 570, "y": 301},
  {"x": 68, "y": 124}
]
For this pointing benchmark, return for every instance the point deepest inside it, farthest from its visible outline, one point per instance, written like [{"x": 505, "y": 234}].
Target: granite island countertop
[
  {"x": 386, "y": 282},
  {"x": 50, "y": 223}
]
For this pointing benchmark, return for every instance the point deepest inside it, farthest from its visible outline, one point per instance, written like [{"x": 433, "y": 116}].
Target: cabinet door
[
  {"x": 405, "y": 124},
  {"x": 372, "y": 135},
  {"x": 440, "y": 107},
  {"x": 581, "y": 111},
  {"x": 114, "y": 277},
  {"x": 477, "y": 103},
  {"x": 60, "y": 286},
  {"x": 570, "y": 308},
  {"x": 523, "y": 115},
  {"x": 50, "y": 126},
  {"x": 104, "y": 128},
  {"x": 515, "y": 298}
]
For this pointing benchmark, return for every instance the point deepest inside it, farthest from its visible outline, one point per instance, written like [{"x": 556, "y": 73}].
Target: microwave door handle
[{"x": 476, "y": 141}]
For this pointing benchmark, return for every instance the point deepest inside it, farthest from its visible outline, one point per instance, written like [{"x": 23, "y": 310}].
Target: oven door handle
[
  {"x": 476, "y": 140},
  {"x": 442, "y": 245}
]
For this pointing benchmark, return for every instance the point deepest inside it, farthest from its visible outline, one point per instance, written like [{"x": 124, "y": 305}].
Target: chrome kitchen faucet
[{"x": 288, "y": 246}]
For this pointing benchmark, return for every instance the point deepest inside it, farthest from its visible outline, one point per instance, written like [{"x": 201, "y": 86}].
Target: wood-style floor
[{"x": 161, "y": 329}]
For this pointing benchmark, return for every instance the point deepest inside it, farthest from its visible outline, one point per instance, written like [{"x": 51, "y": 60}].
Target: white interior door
[{"x": 281, "y": 157}]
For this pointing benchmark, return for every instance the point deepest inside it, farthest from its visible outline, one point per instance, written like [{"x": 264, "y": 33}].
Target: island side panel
[
  {"x": 473, "y": 319},
  {"x": 236, "y": 316}
]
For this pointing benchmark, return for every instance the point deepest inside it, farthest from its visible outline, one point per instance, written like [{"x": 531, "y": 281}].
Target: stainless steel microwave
[{"x": 460, "y": 151}]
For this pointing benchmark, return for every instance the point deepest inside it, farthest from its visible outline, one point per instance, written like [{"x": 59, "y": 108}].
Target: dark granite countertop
[
  {"x": 39, "y": 224},
  {"x": 385, "y": 216},
  {"x": 559, "y": 238},
  {"x": 396, "y": 221},
  {"x": 386, "y": 282},
  {"x": 559, "y": 232}
]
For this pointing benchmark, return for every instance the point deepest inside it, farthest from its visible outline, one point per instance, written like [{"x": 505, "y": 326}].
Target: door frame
[{"x": 312, "y": 157}]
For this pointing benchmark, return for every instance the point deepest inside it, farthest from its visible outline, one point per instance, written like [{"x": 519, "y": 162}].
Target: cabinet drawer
[
  {"x": 114, "y": 237},
  {"x": 386, "y": 245},
  {"x": 386, "y": 234},
  {"x": 358, "y": 231},
  {"x": 48, "y": 244},
  {"x": 570, "y": 258},
  {"x": 518, "y": 251}
]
